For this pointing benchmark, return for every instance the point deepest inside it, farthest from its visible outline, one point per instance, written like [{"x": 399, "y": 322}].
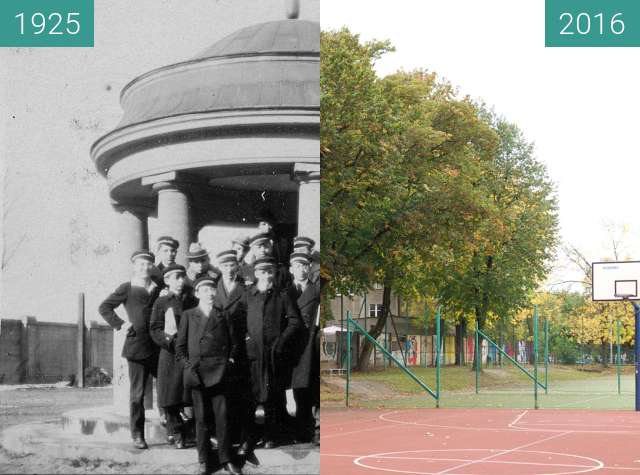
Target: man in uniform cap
[
  {"x": 262, "y": 247},
  {"x": 165, "y": 320},
  {"x": 306, "y": 244},
  {"x": 305, "y": 379},
  {"x": 268, "y": 224},
  {"x": 166, "y": 251},
  {"x": 199, "y": 264},
  {"x": 240, "y": 244},
  {"x": 230, "y": 297},
  {"x": 208, "y": 345},
  {"x": 273, "y": 324},
  {"x": 138, "y": 296}
]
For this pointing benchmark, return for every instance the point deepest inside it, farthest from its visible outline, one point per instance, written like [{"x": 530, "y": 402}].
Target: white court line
[
  {"x": 555, "y": 436},
  {"x": 571, "y": 424},
  {"x": 385, "y": 417},
  {"x": 579, "y": 402},
  {"x": 515, "y": 421},
  {"x": 589, "y": 468},
  {"x": 331, "y": 436},
  {"x": 393, "y": 424},
  {"x": 445, "y": 459}
]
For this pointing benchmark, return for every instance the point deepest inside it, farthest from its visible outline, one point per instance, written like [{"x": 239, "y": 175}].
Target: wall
[{"x": 39, "y": 352}]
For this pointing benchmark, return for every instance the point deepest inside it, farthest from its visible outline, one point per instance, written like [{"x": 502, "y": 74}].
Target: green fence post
[
  {"x": 477, "y": 358},
  {"x": 546, "y": 355},
  {"x": 535, "y": 355},
  {"x": 385, "y": 361},
  {"x": 438, "y": 316},
  {"x": 348, "y": 354},
  {"x": 618, "y": 359},
  {"x": 341, "y": 353},
  {"x": 424, "y": 327},
  {"x": 365, "y": 308}
]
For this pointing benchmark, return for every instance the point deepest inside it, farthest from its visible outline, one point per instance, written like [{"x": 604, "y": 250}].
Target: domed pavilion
[{"x": 216, "y": 139}]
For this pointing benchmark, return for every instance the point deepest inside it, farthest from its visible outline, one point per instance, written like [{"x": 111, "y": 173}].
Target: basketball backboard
[{"x": 615, "y": 280}]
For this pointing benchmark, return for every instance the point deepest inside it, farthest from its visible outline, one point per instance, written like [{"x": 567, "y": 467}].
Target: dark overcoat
[
  {"x": 205, "y": 343},
  {"x": 307, "y": 367},
  {"x": 233, "y": 306},
  {"x": 138, "y": 303},
  {"x": 169, "y": 383},
  {"x": 273, "y": 323}
]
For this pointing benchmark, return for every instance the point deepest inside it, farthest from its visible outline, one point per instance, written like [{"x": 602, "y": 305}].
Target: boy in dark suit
[
  {"x": 137, "y": 296},
  {"x": 165, "y": 320},
  {"x": 305, "y": 379},
  {"x": 230, "y": 297},
  {"x": 206, "y": 344}
]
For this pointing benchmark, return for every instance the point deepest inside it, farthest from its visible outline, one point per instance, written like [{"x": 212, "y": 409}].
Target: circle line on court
[{"x": 595, "y": 464}]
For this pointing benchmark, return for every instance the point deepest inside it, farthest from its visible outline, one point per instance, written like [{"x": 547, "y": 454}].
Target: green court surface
[{"x": 500, "y": 387}]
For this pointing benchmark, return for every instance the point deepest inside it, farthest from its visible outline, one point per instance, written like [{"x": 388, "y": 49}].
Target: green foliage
[
  {"x": 401, "y": 157},
  {"x": 517, "y": 241},
  {"x": 432, "y": 195}
]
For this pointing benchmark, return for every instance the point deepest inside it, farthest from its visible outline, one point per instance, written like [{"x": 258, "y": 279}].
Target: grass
[{"x": 569, "y": 387}]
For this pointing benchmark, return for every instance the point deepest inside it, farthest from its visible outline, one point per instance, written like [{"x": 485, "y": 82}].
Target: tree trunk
[
  {"x": 530, "y": 344},
  {"x": 604, "y": 350},
  {"x": 367, "y": 346},
  {"x": 481, "y": 307}
]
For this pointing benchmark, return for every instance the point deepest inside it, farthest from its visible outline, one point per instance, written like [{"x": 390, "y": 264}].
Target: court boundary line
[
  {"x": 515, "y": 421},
  {"x": 353, "y": 456},
  {"x": 384, "y": 417}
]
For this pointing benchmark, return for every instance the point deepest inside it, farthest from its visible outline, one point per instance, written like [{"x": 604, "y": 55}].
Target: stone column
[
  {"x": 308, "y": 176},
  {"x": 173, "y": 215},
  {"x": 132, "y": 235}
]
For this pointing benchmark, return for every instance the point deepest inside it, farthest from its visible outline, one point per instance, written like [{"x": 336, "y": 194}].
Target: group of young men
[{"x": 225, "y": 340}]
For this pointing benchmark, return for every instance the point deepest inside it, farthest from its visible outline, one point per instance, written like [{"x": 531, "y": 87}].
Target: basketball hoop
[{"x": 613, "y": 281}]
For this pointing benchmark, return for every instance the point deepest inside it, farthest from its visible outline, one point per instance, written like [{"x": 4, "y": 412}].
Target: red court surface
[{"x": 473, "y": 441}]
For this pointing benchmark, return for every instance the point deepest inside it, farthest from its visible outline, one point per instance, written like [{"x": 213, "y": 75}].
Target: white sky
[
  {"x": 54, "y": 103},
  {"x": 577, "y": 104}
]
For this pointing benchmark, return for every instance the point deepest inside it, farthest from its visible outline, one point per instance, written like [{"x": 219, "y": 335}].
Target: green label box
[
  {"x": 46, "y": 23},
  {"x": 580, "y": 23}
]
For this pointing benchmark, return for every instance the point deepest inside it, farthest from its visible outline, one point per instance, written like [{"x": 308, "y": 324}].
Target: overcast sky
[
  {"x": 577, "y": 104},
  {"x": 54, "y": 103}
]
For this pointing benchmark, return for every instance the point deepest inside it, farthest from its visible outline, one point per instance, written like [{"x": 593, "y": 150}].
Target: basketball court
[
  {"x": 506, "y": 440},
  {"x": 480, "y": 441}
]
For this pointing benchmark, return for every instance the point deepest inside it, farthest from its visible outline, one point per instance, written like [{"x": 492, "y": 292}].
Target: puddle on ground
[
  {"x": 99, "y": 430},
  {"x": 110, "y": 431}
]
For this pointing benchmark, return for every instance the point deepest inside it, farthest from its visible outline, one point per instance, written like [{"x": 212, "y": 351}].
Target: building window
[{"x": 375, "y": 310}]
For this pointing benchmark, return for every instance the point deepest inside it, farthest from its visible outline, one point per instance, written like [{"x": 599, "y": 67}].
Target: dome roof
[
  {"x": 272, "y": 64},
  {"x": 273, "y": 37}
]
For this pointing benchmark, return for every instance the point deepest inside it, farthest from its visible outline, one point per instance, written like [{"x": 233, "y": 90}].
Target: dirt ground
[{"x": 41, "y": 404}]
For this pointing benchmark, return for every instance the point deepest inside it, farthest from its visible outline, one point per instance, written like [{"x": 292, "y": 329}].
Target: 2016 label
[{"x": 582, "y": 24}]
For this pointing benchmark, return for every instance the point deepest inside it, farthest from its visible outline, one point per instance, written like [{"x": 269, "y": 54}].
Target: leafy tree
[
  {"x": 519, "y": 239},
  {"x": 400, "y": 167}
]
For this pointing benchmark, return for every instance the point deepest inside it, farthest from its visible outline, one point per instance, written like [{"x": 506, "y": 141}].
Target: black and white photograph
[{"x": 160, "y": 279}]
